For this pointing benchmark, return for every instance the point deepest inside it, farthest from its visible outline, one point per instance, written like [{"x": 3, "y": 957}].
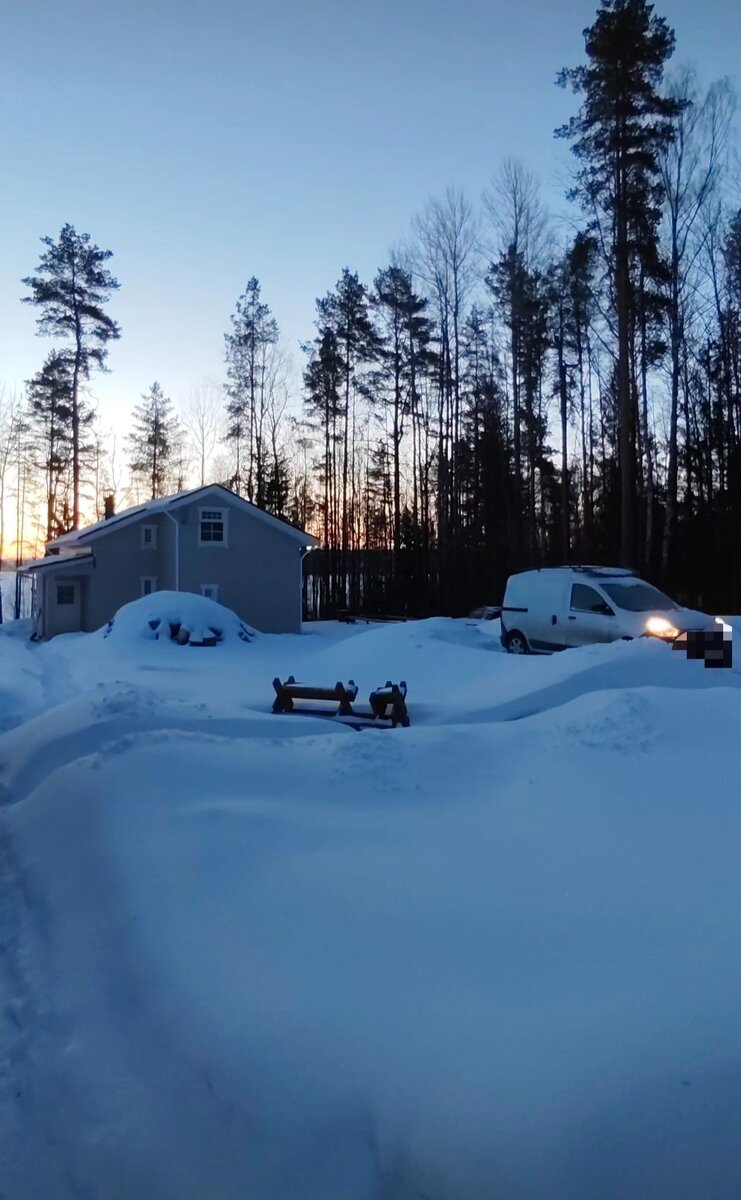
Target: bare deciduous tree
[
  {"x": 691, "y": 169},
  {"x": 202, "y": 417}
]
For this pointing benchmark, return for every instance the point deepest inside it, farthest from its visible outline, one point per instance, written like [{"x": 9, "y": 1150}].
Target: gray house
[{"x": 208, "y": 540}]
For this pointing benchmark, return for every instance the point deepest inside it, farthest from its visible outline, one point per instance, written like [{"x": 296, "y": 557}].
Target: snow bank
[
  {"x": 436, "y": 963},
  {"x": 21, "y": 687},
  {"x": 178, "y": 616},
  {"x": 491, "y": 955}
]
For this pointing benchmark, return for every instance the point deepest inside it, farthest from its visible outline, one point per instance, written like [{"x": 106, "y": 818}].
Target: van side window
[{"x": 585, "y": 599}]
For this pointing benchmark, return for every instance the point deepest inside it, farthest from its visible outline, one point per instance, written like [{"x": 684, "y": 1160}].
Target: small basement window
[
  {"x": 148, "y": 584},
  {"x": 149, "y": 537},
  {"x": 210, "y": 591},
  {"x": 212, "y": 531},
  {"x": 65, "y": 593}
]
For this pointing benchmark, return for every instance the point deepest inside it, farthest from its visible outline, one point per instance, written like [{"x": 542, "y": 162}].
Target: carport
[{"x": 59, "y": 593}]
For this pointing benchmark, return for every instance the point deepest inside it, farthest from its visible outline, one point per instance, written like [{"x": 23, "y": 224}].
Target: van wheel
[{"x": 517, "y": 643}]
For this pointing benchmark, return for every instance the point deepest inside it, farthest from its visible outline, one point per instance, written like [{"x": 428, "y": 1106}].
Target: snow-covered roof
[
  {"x": 165, "y": 503},
  {"x": 72, "y": 564}
]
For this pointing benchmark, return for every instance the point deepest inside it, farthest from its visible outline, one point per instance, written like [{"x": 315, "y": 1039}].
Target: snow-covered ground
[{"x": 248, "y": 956}]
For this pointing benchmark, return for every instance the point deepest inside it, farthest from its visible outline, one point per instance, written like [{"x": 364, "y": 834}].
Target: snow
[
  {"x": 268, "y": 956},
  {"x": 169, "y": 614}
]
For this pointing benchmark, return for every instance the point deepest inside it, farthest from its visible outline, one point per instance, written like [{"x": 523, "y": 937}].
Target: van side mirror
[{"x": 603, "y": 609}]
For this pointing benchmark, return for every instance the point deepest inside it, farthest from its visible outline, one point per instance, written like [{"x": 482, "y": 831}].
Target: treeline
[{"x": 502, "y": 394}]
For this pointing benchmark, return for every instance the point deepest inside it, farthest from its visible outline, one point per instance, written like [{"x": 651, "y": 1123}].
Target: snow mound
[{"x": 181, "y": 617}]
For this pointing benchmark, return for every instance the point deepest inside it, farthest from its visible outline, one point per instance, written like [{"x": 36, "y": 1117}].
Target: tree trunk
[
  {"x": 672, "y": 477},
  {"x": 625, "y": 398}
]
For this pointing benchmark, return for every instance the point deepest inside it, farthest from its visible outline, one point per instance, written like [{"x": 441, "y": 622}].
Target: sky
[{"x": 207, "y": 142}]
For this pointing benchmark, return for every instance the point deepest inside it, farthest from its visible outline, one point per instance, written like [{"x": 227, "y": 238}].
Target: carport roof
[{"x": 69, "y": 564}]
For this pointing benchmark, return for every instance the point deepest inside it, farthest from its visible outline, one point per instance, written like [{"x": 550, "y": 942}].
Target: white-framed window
[
  {"x": 149, "y": 537},
  {"x": 65, "y": 593},
  {"x": 210, "y": 590},
  {"x": 148, "y": 584},
  {"x": 212, "y": 527}
]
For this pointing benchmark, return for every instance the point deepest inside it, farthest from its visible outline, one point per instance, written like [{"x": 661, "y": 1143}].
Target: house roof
[
  {"x": 67, "y": 542},
  {"x": 68, "y": 564}
]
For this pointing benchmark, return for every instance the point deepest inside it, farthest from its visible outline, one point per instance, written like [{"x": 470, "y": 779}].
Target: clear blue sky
[{"x": 206, "y": 142}]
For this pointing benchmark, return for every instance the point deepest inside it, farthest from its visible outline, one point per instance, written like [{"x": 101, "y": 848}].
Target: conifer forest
[{"x": 512, "y": 388}]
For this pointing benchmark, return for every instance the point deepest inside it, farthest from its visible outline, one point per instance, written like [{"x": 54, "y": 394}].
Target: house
[{"x": 206, "y": 540}]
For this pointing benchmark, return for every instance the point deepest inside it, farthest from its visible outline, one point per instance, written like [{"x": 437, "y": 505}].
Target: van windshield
[{"x": 638, "y": 597}]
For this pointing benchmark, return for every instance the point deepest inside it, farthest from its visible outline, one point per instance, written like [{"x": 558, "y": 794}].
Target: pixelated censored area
[{"x": 714, "y": 647}]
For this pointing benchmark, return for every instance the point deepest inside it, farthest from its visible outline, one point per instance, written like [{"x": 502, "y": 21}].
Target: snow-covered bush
[{"x": 182, "y": 617}]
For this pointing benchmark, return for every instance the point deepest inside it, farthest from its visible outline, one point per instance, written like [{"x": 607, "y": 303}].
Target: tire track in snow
[
  {"x": 41, "y": 757},
  {"x": 603, "y": 677},
  {"x": 32, "y": 1165}
]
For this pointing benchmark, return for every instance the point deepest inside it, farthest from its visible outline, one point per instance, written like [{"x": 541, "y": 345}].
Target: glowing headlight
[{"x": 660, "y": 627}]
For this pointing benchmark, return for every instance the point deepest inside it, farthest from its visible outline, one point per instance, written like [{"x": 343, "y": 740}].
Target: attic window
[
  {"x": 212, "y": 527},
  {"x": 149, "y": 537}
]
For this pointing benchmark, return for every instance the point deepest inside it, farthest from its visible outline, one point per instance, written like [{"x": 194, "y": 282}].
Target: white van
[{"x": 556, "y": 608}]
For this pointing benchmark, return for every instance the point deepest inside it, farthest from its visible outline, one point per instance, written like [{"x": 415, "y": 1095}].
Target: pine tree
[
  {"x": 71, "y": 288},
  {"x": 322, "y": 398},
  {"x": 254, "y": 333},
  {"x": 49, "y": 415},
  {"x": 154, "y": 443},
  {"x": 347, "y": 312},
  {"x": 404, "y": 354},
  {"x": 623, "y": 125}
]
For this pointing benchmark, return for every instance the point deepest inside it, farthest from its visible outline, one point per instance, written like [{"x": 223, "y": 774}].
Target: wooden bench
[
  {"x": 341, "y": 694},
  {"x": 390, "y": 703},
  {"x": 387, "y": 704}
]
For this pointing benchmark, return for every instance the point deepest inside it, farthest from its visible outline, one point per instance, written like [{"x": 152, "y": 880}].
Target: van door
[
  {"x": 546, "y": 628},
  {"x": 590, "y": 618}
]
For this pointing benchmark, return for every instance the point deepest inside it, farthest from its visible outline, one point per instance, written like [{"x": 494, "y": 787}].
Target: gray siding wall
[
  {"x": 258, "y": 573},
  {"x": 120, "y": 563}
]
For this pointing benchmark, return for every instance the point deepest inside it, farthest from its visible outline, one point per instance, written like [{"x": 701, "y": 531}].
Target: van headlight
[{"x": 660, "y": 627}]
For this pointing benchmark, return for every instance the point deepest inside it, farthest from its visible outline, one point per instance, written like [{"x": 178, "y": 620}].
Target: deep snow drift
[{"x": 252, "y": 956}]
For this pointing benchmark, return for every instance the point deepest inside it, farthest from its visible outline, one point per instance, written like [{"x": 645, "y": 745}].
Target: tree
[
  {"x": 691, "y": 167},
  {"x": 404, "y": 353},
  {"x": 516, "y": 211},
  {"x": 445, "y": 256},
  {"x": 618, "y": 135},
  {"x": 50, "y": 423},
  {"x": 154, "y": 442},
  {"x": 202, "y": 419},
  {"x": 10, "y": 424},
  {"x": 322, "y": 398},
  {"x": 521, "y": 297},
  {"x": 253, "y": 334},
  {"x": 71, "y": 288}
]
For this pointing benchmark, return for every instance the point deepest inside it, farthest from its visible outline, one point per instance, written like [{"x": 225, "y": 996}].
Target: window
[
  {"x": 585, "y": 599},
  {"x": 210, "y": 590},
  {"x": 212, "y": 527},
  {"x": 148, "y": 584},
  {"x": 149, "y": 537},
  {"x": 638, "y": 597},
  {"x": 65, "y": 593}
]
